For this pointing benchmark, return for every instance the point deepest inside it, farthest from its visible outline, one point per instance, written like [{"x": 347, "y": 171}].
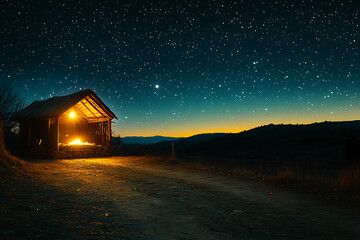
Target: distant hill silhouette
[
  {"x": 147, "y": 140},
  {"x": 281, "y": 141},
  {"x": 160, "y": 148},
  {"x": 322, "y": 143}
]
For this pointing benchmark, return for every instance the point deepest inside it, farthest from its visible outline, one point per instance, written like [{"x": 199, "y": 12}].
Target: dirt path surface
[{"x": 123, "y": 198}]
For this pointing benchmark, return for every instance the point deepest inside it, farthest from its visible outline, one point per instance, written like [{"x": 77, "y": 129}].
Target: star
[{"x": 235, "y": 59}]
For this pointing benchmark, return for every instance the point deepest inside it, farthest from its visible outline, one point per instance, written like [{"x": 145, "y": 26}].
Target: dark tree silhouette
[{"x": 10, "y": 103}]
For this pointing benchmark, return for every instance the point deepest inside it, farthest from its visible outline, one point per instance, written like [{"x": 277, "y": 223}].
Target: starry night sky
[{"x": 179, "y": 68}]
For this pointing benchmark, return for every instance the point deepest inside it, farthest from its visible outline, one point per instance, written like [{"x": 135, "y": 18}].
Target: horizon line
[{"x": 231, "y": 132}]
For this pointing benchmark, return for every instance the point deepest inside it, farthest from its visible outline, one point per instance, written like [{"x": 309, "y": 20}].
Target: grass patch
[
  {"x": 349, "y": 179},
  {"x": 286, "y": 176},
  {"x": 343, "y": 181},
  {"x": 346, "y": 180}
]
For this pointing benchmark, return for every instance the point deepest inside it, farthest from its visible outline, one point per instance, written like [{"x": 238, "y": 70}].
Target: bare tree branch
[{"x": 10, "y": 103}]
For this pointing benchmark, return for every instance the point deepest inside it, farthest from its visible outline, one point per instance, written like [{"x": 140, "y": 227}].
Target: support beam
[
  {"x": 99, "y": 103},
  {"x": 57, "y": 133},
  {"x": 48, "y": 140},
  {"x": 94, "y": 106},
  {"x": 109, "y": 132},
  {"x": 92, "y": 120},
  {"x": 88, "y": 108},
  {"x": 79, "y": 112}
]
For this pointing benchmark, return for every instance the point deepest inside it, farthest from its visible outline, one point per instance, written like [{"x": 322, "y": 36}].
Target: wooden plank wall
[{"x": 50, "y": 132}]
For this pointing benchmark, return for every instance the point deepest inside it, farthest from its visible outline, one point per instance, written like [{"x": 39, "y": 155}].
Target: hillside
[
  {"x": 163, "y": 147},
  {"x": 326, "y": 142},
  {"x": 281, "y": 141}
]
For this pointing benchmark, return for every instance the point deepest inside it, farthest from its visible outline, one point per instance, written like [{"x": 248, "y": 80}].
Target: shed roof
[{"x": 56, "y": 106}]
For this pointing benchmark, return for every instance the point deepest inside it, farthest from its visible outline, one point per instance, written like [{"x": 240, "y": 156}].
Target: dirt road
[{"x": 123, "y": 198}]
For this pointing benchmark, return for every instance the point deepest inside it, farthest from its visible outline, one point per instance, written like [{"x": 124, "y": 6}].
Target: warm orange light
[
  {"x": 79, "y": 142},
  {"x": 76, "y": 142},
  {"x": 72, "y": 115}
]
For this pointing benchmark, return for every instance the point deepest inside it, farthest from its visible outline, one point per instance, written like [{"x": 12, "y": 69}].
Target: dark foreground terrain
[
  {"x": 128, "y": 198},
  {"x": 324, "y": 147}
]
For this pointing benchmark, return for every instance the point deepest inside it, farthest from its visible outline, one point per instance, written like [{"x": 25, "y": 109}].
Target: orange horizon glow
[{"x": 225, "y": 126}]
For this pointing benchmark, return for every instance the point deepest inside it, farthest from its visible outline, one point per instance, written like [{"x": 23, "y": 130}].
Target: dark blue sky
[{"x": 184, "y": 67}]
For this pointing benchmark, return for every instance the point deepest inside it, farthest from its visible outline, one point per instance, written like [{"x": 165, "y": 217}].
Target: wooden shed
[{"x": 79, "y": 122}]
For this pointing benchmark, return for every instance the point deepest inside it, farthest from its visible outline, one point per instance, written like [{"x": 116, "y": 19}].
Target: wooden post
[
  {"x": 48, "y": 140},
  {"x": 101, "y": 134},
  {"x": 109, "y": 132},
  {"x": 56, "y": 134}
]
